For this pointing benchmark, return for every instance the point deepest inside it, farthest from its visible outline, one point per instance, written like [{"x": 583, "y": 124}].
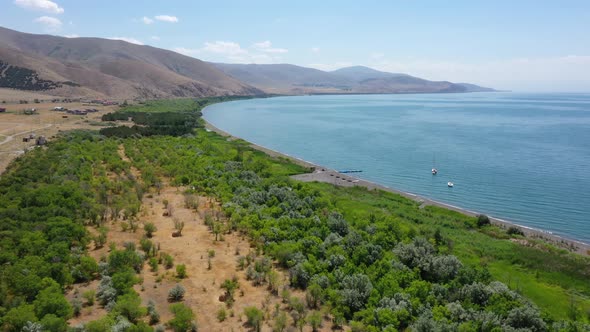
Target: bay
[{"x": 521, "y": 157}]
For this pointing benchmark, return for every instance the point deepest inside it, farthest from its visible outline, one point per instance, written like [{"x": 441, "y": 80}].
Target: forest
[
  {"x": 365, "y": 260},
  {"x": 15, "y": 77}
]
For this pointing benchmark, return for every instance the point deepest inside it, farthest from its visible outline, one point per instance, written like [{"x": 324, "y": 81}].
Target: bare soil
[
  {"x": 15, "y": 125},
  {"x": 202, "y": 285}
]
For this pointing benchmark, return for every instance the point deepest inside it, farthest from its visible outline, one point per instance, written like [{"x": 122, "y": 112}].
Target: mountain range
[
  {"x": 104, "y": 68},
  {"x": 291, "y": 79}
]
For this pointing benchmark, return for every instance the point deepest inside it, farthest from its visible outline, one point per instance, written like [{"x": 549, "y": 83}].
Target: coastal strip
[{"x": 324, "y": 174}]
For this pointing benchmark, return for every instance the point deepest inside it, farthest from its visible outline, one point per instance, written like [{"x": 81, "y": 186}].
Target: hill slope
[
  {"x": 290, "y": 79},
  {"x": 103, "y": 67}
]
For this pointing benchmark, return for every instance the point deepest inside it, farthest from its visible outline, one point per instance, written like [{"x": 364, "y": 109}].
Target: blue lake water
[{"x": 520, "y": 157}]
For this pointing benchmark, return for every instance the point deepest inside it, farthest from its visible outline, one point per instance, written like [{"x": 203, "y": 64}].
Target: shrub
[
  {"x": 149, "y": 229},
  {"x": 337, "y": 224},
  {"x": 527, "y": 318},
  {"x": 178, "y": 226},
  {"x": 221, "y": 314},
  {"x": 444, "y": 268},
  {"x": 153, "y": 313},
  {"x": 513, "y": 230},
  {"x": 355, "y": 291},
  {"x": 167, "y": 260},
  {"x": 483, "y": 220},
  {"x": 230, "y": 287},
  {"x": 315, "y": 320},
  {"x": 106, "y": 293},
  {"x": 89, "y": 296},
  {"x": 146, "y": 245},
  {"x": 280, "y": 322},
  {"x": 191, "y": 201},
  {"x": 181, "y": 271},
  {"x": 76, "y": 306},
  {"x": 254, "y": 317},
  {"x": 176, "y": 293},
  {"x": 153, "y": 262}
]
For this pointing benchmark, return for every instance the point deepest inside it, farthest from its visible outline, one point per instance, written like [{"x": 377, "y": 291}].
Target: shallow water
[{"x": 520, "y": 157}]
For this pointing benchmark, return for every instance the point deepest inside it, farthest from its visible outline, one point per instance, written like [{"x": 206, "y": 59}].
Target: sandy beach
[{"x": 323, "y": 174}]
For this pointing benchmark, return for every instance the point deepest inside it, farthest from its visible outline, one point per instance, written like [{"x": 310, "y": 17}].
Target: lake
[{"x": 520, "y": 157}]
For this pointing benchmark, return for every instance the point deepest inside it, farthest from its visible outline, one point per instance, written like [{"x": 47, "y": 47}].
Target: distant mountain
[
  {"x": 96, "y": 67},
  {"x": 285, "y": 78},
  {"x": 360, "y": 73},
  {"x": 475, "y": 88},
  {"x": 107, "y": 68},
  {"x": 290, "y": 79}
]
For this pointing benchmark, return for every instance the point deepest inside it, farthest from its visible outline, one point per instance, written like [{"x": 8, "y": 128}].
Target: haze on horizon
[{"x": 523, "y": 46}]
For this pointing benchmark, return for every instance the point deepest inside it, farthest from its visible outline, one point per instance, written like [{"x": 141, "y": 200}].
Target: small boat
[
  {"x": 434, "y": 171},
  {"x": 450, "y": 184}
]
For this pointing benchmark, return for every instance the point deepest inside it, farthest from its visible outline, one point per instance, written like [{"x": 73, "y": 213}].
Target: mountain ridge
[
  {"x": 273, "y": 78},
  {"x": 113, "y": 68},
  {"x": 105, "y": 68}
]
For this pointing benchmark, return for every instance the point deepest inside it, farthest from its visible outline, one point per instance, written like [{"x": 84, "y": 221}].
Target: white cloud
[
  {"x": 377, "y": 55},
  {"x": 315, "y": 50},
  {"x": 127, "y": 39},
  {"x": 167, "y": 18},
  {"x": 229, "y": 51},
  {"x": 40, "y": 5},
  {"x": 224, "y": 48},
  {"x": 51, "y": 24},
  {"x": 147, "y": 20},
  {"x": 155, "y": 38},
  {"x": 266, "y": 46}
]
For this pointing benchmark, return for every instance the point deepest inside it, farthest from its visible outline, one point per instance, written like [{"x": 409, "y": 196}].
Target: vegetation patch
[{"x": 369, "y": 259}]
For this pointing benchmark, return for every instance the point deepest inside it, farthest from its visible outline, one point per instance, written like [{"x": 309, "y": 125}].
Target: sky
[{"x": 536, "y": 46}]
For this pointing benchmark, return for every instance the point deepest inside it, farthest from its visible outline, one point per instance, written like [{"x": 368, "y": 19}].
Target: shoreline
[{"x": 324, "y": 174}]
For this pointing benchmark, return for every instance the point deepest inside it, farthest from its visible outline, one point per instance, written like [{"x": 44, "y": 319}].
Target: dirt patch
[
  {"x": 194, "y": 249},
  {"x": 15, "y": 125}
]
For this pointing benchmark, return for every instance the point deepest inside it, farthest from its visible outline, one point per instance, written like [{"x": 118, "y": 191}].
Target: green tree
[
  {"x": 183, "y": 317},
  {"x": 314, "y": 295},
  {"x": 129, "y": 306},
  {"x": 123, "y": 281},
  {"x": 85, "y": 270},
  {"x": 52, "y": 301},
  {"x": 16, "y": 318},
  {"x": 54, "y": 324},
  {"x": 100, "y": 325}
]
